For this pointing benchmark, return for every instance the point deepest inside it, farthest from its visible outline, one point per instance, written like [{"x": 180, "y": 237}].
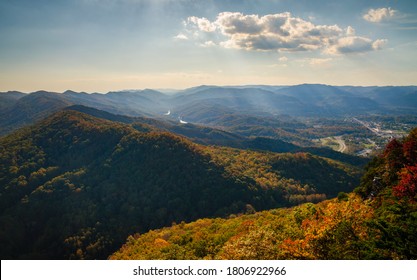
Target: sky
[{"x": 106, "y": 45}]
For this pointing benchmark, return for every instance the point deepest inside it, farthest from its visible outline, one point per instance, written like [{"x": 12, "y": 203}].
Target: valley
[
  {"x": 300, "y": 114},
  {"x": 368, "y": 143},
  {"x": 377, "y": 221},
  {"x": 208, "y": 130},
  {"x": 80, "y": 172}
]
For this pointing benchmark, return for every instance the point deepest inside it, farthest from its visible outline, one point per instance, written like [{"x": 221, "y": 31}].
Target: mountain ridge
[
  {"x": 98, "y": 181},
  {"x": 376, "y": 222},
  {"x": 214, "y": 136},
  {"x": 201, "y": 105}
]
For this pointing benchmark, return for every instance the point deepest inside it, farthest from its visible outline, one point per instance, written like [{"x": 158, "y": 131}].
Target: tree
[{"x": 407, "y": 187}]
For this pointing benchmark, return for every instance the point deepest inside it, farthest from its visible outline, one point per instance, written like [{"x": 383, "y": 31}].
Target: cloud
[
  {"x": 276, "y": 32},
  {"x": 283, "y": 59},
  {"x": 203, "y": 24},
  {"x": 319, "y": 61},
  {"x": 379, "y": 15},
  {"x": 208, "y": 44},
  {"x": 355, "y": 44},
  {"x": 379, "y": 44},
  {"x": 181, "y": 36},
  {"x": 350, "y": 31},
  {"x": 237, "y": 23}
]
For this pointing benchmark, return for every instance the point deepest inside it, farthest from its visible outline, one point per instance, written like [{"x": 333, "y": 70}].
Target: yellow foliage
[{"x": 160, "y": 243}]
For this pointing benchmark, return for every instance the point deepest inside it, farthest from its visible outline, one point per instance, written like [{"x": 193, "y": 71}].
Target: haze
[{"x": 102, "y": 45}]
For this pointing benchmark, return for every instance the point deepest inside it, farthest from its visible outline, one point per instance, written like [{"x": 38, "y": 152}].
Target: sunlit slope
[
  {"x": 75, "y": 186},
  {"x": 335, "y": 229},
  {"x": 377, "y": 221}
]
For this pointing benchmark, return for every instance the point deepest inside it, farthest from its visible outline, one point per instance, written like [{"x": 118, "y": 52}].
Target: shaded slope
[
  {"x": 75, "y": 186},
  {"x": 208, "y": 105},
  {"x": 212, "y": 136},
  {"x": 380, "y": 223},
  {"x": 31, "y": 108},
  {"x": 8, "y": 99}
]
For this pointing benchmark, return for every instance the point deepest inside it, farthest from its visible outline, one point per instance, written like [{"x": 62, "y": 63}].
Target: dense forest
[
  {"x": 74, "y": 186},
  {"x": 376, "y": 221},
  {"x": 207, "y": 130}
]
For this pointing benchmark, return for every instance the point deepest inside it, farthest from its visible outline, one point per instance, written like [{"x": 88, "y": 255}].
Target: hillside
[
  {"x": 8, "y": 99},
  {"x": 378, "y": 221},
  {"x": 321, "y": 231},
  {"x": 210, "y": 105},
  {"x": 29, "y": 109},
  {"x": 318, "y": 119},
  {"x": 75, "y": 186},
  {"x": 214, "y": 136}
]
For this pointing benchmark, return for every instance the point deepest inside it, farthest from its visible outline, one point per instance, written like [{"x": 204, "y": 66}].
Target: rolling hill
[
  {"x": 8, "y": 99},
  {"x": 377, "y": 221},
  {"x": 207, "y": 105},
  {"x": 75, "y": 186},
  {"x": 214, "y": 136},
  {"x": 29, "y": 109}
]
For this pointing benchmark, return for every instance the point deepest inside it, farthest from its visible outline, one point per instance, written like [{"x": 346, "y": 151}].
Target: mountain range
[
  {"x": 208, "y": 105},
  {"x": 80, "y": 173},
  {"x": 376, "y": 221},
  {"x": 75, "y": 186}
]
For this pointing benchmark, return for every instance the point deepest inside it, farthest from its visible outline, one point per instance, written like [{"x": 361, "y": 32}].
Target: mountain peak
[{"x": 69, "y": 92}]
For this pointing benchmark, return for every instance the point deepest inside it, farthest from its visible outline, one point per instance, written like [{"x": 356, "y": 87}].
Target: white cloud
[
  {"x": 277, "y": 32},
  {"x": 181, "y": 36},
  {"x": 283, "y": 59},
  {"x": 355, "y": 44},
  {"x": 208, "y": 44},
  {"x": 203, "y": 24},
  {"x": 378, "y": 44},
  {"x": 350, "y": 31},
  {"x": 379, "y": 15},
  {"x": 237, "y": 23}
]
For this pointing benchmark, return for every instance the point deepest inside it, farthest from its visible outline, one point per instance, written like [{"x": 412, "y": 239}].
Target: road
[
  {"x": 342, "y": 144},
  {"x": 374, "y": 130}
]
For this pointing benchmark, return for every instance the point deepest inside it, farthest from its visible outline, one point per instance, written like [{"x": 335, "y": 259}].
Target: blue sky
[{"x": 103, "y": 45}]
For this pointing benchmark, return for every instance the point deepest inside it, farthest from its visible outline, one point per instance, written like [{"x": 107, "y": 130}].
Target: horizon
[
  {"x": 169, "y": 91},
  {"x": 101, "y": 45}
]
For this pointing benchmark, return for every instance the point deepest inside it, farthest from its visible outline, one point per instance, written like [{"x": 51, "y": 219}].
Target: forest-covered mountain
[
  {"x": 377, "y": 221},
  {"x": 75, "y": 186},
  {"x": 215, "y": 136},
  {"x": 7, "y": 99},
  {"x": 209, "y": 105}
]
